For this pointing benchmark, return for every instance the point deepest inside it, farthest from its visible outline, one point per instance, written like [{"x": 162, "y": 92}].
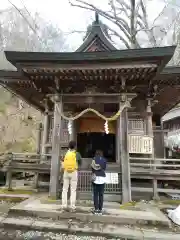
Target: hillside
[{"x": 18, "y": 124}]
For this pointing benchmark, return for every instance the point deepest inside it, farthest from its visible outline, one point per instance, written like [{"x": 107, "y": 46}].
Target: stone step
[
  {"x": 79, "y": 228},
  {"x": 83, "y": 203},
  {"x": 13, "y": 197},
  {"x": 34, "y": 208}
]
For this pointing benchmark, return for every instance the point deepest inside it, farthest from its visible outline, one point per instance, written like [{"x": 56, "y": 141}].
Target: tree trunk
[{"x": 132, "y": 27}]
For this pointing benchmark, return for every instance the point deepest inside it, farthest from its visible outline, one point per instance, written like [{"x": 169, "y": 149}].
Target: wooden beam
[
  {"x": 90, "y": 100},
  {"x": 94, "y": 98},
  {"x": 89, "y": 66},
  {"x": 98, "y": 94}
]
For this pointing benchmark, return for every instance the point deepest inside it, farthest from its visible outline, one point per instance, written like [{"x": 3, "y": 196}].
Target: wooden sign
[
  {"x": 64, "y": 136},
  {"x": 140, "y": 144},
  {"x": 112, "y": 178}
]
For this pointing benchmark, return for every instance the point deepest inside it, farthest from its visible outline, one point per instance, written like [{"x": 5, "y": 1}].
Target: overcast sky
[
  {"x": 71, "y": 18},
  {"x": 61, "y": 12}
]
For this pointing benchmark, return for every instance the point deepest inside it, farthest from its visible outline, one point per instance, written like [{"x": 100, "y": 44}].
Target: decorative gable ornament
[{"x": 97, "y": 38}]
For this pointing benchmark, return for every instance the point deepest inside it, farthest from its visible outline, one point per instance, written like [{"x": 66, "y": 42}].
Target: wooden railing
[
  {"x": 161, "y": 171},
  {"x": 155, "y": 163},
  {"x": 158, "y": 170},
  {"x": 24, "y": 162}
]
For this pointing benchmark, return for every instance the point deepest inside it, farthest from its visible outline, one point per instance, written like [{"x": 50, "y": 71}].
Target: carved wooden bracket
[
  {"x": 127, "y": 97},
  {"x": 55, "y": 97},
  {"x": 57, "y": 83}
]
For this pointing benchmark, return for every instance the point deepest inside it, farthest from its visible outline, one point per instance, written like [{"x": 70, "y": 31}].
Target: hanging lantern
[
  {"x": 70, "y": 127},
  {"x": 106, "y": 128}
]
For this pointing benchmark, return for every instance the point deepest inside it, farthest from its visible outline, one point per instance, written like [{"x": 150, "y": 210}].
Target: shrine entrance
[
  {"x": 91, "y": 136},
  {"x": 88, "y": 143}
]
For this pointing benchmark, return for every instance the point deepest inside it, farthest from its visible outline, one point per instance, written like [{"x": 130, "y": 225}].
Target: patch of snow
[{"x": 174, "y": 215}]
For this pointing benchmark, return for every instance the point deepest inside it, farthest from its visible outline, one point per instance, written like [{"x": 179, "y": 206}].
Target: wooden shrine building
[{"x": 97, "y": 76}]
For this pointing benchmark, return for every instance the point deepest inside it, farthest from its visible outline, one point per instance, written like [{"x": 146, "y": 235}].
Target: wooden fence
[{"x": 164, "y": 174}]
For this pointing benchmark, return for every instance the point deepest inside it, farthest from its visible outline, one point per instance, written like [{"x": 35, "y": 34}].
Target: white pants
[{"x": 69, "y": 179}]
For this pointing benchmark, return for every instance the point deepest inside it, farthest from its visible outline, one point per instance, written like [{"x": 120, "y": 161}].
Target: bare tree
[
  {"x": 18, "y": 121},
  {"x": 129, "y": 21},
  {"x": 16, "y": 34}
]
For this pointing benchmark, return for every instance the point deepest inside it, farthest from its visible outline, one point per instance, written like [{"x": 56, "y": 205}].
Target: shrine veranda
[{"x": 135, "y": 82}]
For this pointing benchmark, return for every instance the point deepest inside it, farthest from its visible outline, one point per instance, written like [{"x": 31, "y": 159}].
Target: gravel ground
[{"x": 34, "y": 235}]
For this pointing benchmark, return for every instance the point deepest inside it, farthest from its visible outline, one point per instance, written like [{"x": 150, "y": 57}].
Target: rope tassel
[
  {"x": 70, "y": 127},
  {"x": 106, "y": 127}
]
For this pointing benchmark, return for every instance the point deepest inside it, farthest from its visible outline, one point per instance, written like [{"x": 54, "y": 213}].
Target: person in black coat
[{"x": 98, "y": 181}]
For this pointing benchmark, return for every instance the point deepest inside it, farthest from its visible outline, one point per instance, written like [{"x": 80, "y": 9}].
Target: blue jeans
[{"x": 98, "y": 196}]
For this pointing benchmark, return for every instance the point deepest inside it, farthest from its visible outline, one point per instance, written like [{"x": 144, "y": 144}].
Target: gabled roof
[{"x": 96, "y": 39}]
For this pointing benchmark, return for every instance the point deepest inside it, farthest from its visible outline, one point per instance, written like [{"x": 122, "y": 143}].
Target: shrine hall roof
[
  {"x": 150, "y": 55},
  {"x": 38, "y": 73}
]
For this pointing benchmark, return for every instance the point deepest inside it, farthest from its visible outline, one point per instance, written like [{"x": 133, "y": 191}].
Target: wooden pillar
[
  {"x": 149, "y": 132},
  {"x": 163, "y": 135},
  {"x": 38, "y": 151},
  {"x": 9, "y": 180},
  {"x": 124, "y": 156},
  {"x": 75, "y": 131},
  {"x": 56, "y": 148},
  {"x": 118, "y": 160},
  {"x": 45, "y": 134},
  {"x": 9, "y": 173},
  {"x": 39, "y": 135},
  {"x": 149, "y": 123}
]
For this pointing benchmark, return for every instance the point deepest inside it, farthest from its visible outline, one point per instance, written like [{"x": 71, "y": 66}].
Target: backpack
[{"x": 70, "y": 163}]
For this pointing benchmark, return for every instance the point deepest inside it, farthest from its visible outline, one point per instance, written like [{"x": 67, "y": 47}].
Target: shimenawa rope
[{"x": 112, "y": 118}]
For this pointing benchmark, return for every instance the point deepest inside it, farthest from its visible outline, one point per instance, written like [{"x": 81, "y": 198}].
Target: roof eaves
[
  {"x": 171, "y": 70},
  {"x": 9, "y": 74},
  {"x": 28, "y": 101},
  {"x": 146, "y": 54},
  {"x": 173, "y": 114}
]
